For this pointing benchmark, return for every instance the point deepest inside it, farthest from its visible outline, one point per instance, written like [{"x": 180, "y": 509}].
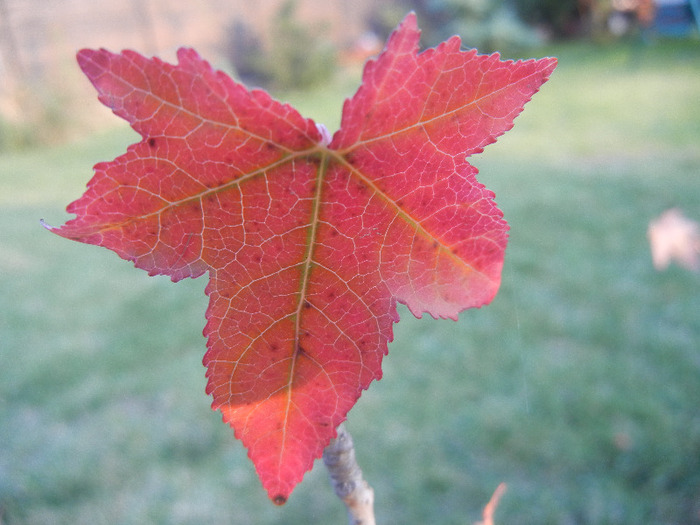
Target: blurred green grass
[{"x": 578, "y": 386}]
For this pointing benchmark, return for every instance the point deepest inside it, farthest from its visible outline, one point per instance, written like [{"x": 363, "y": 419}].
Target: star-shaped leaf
[{"x": 309, "y": 242}]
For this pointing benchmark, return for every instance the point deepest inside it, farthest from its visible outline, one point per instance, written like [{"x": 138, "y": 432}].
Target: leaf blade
[
  {"x": 450, "y": 113},
  {"x": 308, "y": 245}
]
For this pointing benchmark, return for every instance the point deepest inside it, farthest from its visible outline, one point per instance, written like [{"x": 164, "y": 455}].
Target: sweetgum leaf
[{"x": 308, "y": 244}]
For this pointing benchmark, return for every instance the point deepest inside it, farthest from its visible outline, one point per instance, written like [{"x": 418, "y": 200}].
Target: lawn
[{"x": 579, "y": 386}]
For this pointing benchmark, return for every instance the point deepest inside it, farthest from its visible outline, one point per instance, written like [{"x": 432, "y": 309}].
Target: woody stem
[{"x": 347, "y": 481}]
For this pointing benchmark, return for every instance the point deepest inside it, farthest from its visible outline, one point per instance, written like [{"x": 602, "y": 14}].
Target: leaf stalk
[{"x": 346, "y": 478}]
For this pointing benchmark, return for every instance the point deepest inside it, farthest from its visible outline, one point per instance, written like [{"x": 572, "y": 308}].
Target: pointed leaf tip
[{"x": 410, "y": 21}]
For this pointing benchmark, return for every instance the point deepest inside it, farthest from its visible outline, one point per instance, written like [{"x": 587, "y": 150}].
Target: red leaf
[{"x": 308, "y": 245}]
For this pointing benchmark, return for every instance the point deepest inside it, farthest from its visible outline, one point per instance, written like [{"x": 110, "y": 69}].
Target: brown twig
[{"x": 347, "y": 481}]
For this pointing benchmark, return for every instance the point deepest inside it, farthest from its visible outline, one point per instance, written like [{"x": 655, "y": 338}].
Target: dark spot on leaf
[
  {"x": 323, "y": 424},
  {"x": 279, "y": 500},
  {"x": 307, "y": 304},
  {"x": 435, "y": 245},
  {"x": 334, "y": 233},
  {"x": 331, "y": 295},
  {"x": 350, "y": 159},
  {"x": 269, "y": 146},
  {"x": 152, "y": 142},
  {"x": 274, "y": 347},
  {"x": 300, "y": 350}
]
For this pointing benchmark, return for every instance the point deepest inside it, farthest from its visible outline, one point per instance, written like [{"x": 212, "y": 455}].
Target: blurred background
[{"x": 579, "y": 386}]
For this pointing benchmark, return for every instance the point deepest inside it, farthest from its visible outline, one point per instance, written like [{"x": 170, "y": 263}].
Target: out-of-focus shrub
[
  {"x": 295, "y": 56},
  {"x": 246, "y": 55},
  {"x": 559, "y": 17},
  {"x": 488, "y": 25}
]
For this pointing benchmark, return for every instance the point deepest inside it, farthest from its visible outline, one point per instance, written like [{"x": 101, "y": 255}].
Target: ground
[{"x": 577, "y": 386}]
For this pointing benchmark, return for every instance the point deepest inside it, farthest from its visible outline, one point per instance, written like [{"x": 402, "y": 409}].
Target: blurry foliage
[
  {"x": 296, "y": 57},
  {"x": 245, "y": 53},
  {"x": 488, "y": 25},
  {"x": 600, "y": 20},
  {"x": 510, "y": 25},
  {"x": 559, "y": 17}
]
